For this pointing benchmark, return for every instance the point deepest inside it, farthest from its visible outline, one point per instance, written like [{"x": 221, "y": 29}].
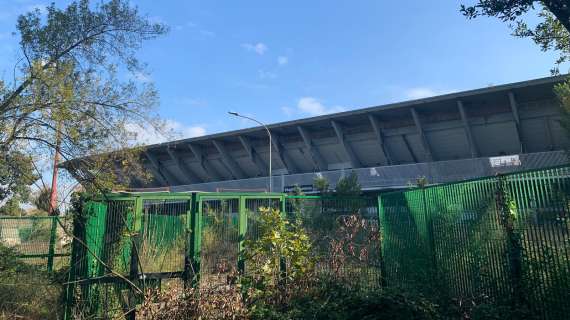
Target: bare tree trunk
[{"x": 53, "y": 193}]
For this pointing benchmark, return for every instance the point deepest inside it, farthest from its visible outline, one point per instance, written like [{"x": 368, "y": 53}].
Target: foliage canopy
[{"x": 69, "y": 94}]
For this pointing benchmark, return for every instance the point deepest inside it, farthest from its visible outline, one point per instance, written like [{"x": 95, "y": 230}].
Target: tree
[
  {"x": 349, "y": 185},
  {"x": 67, "y": 96},
  {"x": 511, "y": 10},
  {"x": 16, "y": 176},
  {"x": 321, "y": 184},
  {"x": 41, "y": 199},
  {"x": 551, "y": 33}
]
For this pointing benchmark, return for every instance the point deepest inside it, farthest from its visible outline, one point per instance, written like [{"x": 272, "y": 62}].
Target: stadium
[{"x": 446, "y": 138}]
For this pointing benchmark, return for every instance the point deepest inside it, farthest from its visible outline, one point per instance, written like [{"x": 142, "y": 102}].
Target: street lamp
[{"x": 268, "y": 134}]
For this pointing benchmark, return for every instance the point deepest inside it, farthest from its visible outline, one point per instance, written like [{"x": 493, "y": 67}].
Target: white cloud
[
  {"x": 312, "y": 107},
  {"x": 172, "y": 129},
  {"x": 418, "y": 93},
  {"x": 282, "y": 60},
  {"x": 266, "y": 74},
  {"x": 424, "y": 92},
  {"x": 259, "y": 48},
  {"x": 288, "y": 111}
]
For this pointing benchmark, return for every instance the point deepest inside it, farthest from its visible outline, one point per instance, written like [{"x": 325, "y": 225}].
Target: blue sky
[{"x": 279, "y": 61}]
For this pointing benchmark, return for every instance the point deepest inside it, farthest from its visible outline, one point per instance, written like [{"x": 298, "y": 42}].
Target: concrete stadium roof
[
  {"x": 514, "y": 118},
  {"x": 527, "y": 86}
]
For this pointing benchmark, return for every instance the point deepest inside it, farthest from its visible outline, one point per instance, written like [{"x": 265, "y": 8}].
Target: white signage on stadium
[{"x": 505, "y": 161}]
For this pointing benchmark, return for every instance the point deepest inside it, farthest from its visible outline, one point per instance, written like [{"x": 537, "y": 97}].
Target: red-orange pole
[{"x": 53, "y": 194}]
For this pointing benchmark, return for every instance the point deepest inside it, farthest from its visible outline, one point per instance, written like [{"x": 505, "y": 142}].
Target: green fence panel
[
  {"x": 37, "y": 241},
  {"x": 407, "y": 254},
  {"x": 220, "y": 238},
  {"x": 163, "y": 245},
  {"x": 541, "y": 203},
  {"x": 504, "y": 238},
  {"x": 95, "y": 217},
  {"x": 344, "y": 236}
]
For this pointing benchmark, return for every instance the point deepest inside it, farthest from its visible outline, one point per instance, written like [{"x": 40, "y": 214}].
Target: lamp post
[{"x": 270, "y": 142}]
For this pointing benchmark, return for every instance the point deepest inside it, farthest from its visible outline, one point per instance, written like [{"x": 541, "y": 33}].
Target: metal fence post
[
  {"x": 514, "y": 246},
  {"x": 193, "y": 242},
  {"x": 429, "y": 223},
  {"x": 383, "y": 282},
  {"x": 242, "y": 225},
  {"x": 282, "y": 260},
  {"x": 134, "y": 253},
  {"x": 52, "y": 239}
]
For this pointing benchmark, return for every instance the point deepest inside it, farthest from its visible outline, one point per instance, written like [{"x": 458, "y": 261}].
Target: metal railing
[
  {"x": 36, "y": 240},
  {"x": 390, "y": 177}
]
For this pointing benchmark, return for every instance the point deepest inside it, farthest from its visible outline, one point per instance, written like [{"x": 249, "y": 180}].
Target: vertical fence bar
[
  {"x": 135, "y": 235},
  {"x": 242, "y": 230},
  {"x": 380, "y": 213},
  {"x": 196, "y": 224},
  {"x": 51, "y": 251},
  {"x": 189, "y": 267}
]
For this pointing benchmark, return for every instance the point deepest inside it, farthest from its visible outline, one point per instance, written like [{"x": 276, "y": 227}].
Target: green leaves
[
  {"x": 551, "y": 33},
  {"x": 68, "y": 95},
  {"x": 16, "y": 174},
  {"x": 349, "y": 185},
  {"x": 279, "y": 241}
]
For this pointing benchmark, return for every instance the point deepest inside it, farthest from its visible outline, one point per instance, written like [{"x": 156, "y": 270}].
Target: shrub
[
  {"x": 328, "y": 299},
  {"x": 178, "y": 304},
  {"x": 26, "y": 291}
]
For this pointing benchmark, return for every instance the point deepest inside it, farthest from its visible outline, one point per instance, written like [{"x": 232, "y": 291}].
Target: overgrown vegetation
[
  {"x": 270, "y": 291},
  {"x": 28, "y": 291}
]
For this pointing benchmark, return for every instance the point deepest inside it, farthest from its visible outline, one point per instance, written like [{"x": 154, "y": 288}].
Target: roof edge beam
[
  {"x": 516, "y": 120},
  {"x": 380, "y": 138},
  {"x": 210, "y": 171},
  {"x": 345, "y": 145},
  {"x": 316, "y": 157},
  {"x": 232, "y": 165},
  {"x": 285, "y": 159},
  {"x": 157, "y": 169},
  {"x": 548, "y": 134},
  {"x": 189, "y": 175},
  {"x": 253, "y": 155},
  {"x": 409, "y": 148},
  {"x": 472, "y": 145},
  {"x": 425, "y": 144}
]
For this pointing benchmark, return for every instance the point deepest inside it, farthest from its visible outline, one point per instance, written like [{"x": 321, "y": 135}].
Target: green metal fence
[
  {"x": 39, "y": 240},
  {"x": 128, "y": 241},
  {"x": 34, "y": 252},
  {"x": 504, "y": 238},
  {"x": 344, "y": 235}
]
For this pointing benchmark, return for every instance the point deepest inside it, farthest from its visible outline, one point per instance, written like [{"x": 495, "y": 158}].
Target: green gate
[
  {"x": 127, "y": 242},
  {"x": 224, "y": 222}
]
